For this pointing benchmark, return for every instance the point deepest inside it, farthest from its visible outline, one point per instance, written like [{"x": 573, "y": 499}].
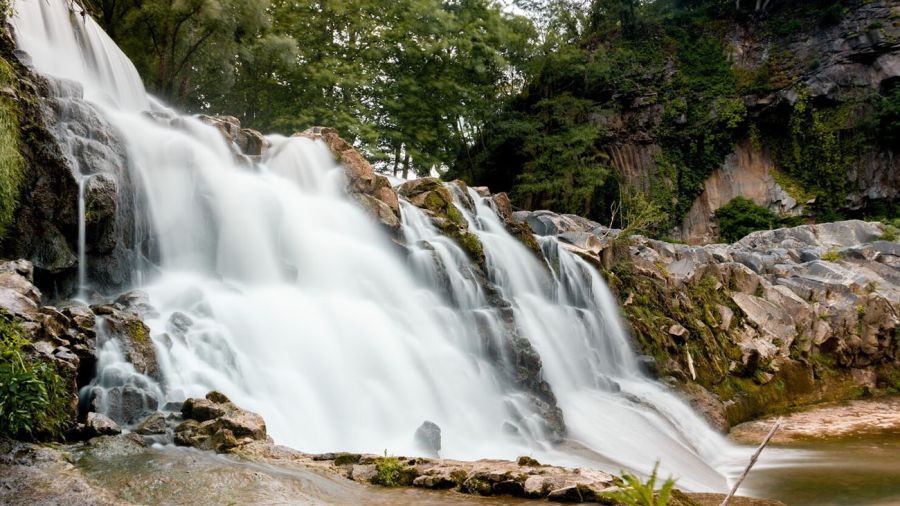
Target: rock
[
  {"x": 153, "y": 424},
  {"x": 202, "y": 409},
  {"x": 215, "y": 423},
  {"x": 134, "y": 336},
  {"x": 98, "y": 424},
  {"x": 678, "y": 330},
  {"x": 372, "y": 190},
  {"x": 428, "y": 438}
]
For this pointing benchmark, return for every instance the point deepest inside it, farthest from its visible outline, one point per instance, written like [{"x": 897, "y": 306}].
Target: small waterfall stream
[{"x": 277, "y": 289}]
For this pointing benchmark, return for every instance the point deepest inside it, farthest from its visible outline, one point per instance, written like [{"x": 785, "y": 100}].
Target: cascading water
[{"x": 277, "y": 289}]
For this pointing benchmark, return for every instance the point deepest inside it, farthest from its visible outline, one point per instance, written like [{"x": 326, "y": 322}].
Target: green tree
[{"x": 740, "y": 216}]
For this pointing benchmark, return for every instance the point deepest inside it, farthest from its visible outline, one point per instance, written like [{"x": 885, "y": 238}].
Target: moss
[
  {"x": 347, "y": 459},
  {"x": 138, "y": 332},
  {"x": 12, "y": 164}
]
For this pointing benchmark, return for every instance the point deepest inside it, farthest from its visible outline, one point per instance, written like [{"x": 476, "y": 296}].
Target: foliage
[
  {"x": 740, "y": 216},
  {"x": 11, "y": 161},
  {"x": 33, "y": 395},
  {"x": 639, "y": 493},
  {"x": 640, "y": 216},
  {"x": 831, "y": 255},
  {"x": 887, "y": 118},
  {"x": 408, "y": 81},
  {"x": 388, "y": 471},
  {"x": 891, "y": 233}
]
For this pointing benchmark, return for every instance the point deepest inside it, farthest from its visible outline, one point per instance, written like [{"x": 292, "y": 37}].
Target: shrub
[
  {"x": 740, "y": 216},
  {"x": 831, "y": 255},
  {"x": 388, "y": 470},
  {"x": 890, "y": 233},
  {"x": 638, "y": 493},
  {"x": 33, "y": 396}
]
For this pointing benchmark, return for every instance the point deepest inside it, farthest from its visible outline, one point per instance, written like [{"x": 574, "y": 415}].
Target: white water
[{"x": 302, "y": 310}]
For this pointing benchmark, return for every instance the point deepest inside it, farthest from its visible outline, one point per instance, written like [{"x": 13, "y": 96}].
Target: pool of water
[{"x": 859, "y": 471}]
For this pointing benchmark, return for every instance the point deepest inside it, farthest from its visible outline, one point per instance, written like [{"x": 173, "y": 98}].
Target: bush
[
  {"x": 388, "y": 471},
  {"x": 33, "y": 396},
  {"x": 740, "y": 216}
]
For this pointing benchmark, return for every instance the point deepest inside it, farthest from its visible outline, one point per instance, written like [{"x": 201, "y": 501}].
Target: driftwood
[{"x": 753, "y": 459}]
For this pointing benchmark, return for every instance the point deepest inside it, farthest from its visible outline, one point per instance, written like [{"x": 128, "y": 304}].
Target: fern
[{"x": 638, "y": 493}]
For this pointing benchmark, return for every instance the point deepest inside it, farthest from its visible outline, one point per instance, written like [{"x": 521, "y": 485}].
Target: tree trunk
[
  {"x": 396, "y": 160},
  {"x": 406, "y": 164}
]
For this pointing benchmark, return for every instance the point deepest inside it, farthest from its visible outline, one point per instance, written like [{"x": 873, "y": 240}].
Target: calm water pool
[{"x": 863, "y": 471}]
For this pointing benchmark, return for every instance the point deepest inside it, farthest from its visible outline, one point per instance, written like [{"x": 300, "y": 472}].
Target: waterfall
[{"x": 275, "y": 288}]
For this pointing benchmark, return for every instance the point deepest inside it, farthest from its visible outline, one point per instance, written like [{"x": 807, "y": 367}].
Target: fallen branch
[{"x": 755, "y": 456}]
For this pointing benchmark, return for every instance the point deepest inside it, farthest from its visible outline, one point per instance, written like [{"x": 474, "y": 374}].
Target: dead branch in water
[{"x": 752, "y": 461}]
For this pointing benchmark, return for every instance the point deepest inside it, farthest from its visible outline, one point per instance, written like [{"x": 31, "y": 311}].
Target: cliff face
[{"x": 839, "y": 69}]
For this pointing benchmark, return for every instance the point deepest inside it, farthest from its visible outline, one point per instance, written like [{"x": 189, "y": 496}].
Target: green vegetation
[
  {"x": 740, "y": 216},
  {"x": 33, "y": 395},
  {"x": 389, "y": 471},
  {"x": 11, "y": 161},
  {"x": 831, "y": 256},
  {"x": 638, "y": 493},
  {"x": 577, "y": 107}
]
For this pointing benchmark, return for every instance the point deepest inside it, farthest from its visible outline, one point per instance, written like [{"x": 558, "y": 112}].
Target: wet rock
[
  {"x": 98, "y": 424},
  {"x": 215, "y": 423},
  {"x": 153, "y": 424},
  {"x": 134, "y": 336},
  {"x": 428, "y": 438}
]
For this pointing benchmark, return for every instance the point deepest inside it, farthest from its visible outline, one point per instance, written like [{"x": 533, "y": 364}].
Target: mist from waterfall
[{"x": 275, "y": 288}]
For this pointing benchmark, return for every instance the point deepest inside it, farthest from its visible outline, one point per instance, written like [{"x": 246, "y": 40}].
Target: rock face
[
  {"x": 215, "y": 423},
  {"x": 747, "y": 172},
  {"x": 62, "y": 337},
  {"x": 373, "y": 191},
  {"x": 780, "y": 318},
  {"x": 68, "y": 141}
]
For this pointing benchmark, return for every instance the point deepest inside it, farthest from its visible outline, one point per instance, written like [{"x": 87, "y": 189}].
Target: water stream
[{"x": 275, "y": 288}]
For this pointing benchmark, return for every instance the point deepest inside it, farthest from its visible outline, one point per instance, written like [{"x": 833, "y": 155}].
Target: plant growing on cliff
[
  {"x": 33, "y": 395},
  {"x": 635, "y": 492},
  {"x": 11, "y": 161},
  {"x": 740, "y": 216}
]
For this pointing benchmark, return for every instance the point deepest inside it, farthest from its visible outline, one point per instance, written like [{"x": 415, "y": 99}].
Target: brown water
[{"x": 858, "y": 471}]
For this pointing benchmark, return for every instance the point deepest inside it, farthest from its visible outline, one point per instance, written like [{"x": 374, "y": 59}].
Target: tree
[{"x": 740, "y": 216}]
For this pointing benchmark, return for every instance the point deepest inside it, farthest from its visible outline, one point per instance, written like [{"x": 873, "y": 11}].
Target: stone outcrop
[
  {"x": 780, "y": 318},
  {"x": 373, "y": 191},
  {"x": 65, "y": 139},
  {"x": 64, "y": 337},
  {"x": 215, "y": 423},
  {"x": 747, "y": 172}
]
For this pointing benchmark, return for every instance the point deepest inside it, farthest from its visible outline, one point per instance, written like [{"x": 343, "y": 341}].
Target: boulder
[
  {"x": 428, "y": 438},
  {"x": 153, "y": 424},
  {"x": 216, "y": 423},
  {"x": 98, "y": 424}
]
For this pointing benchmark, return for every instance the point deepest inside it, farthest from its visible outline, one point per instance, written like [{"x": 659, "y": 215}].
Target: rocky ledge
[
  {"x": 63, "y": 475},
  {"x": 781, "y": 318},
  {"x": 827, "y": 421}
]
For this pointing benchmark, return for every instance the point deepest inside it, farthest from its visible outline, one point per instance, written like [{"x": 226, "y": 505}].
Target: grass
[{"x": 11, "y": 161}]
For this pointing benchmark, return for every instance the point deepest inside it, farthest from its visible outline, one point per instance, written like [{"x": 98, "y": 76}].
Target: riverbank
[{"x": 851, "y": 419}]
